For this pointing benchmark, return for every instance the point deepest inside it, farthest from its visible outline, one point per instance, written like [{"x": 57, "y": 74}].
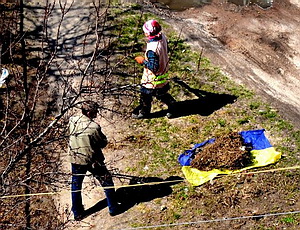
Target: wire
[
  {"x": 151, "y": 183},
  {"x": 106, "y": 187},
  {"x": 263, "y": 171},
  {"x": 215, "y": 220},
  {"x": 29, "y": 194}
]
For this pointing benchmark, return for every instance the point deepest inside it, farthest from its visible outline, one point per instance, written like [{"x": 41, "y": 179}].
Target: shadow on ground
[
  {"x": 204, "y": 105},
  {"x": 139, "y": 189}
]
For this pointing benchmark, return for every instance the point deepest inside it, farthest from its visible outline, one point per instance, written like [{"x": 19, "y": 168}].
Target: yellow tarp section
[{"x": 260, "y": 158}]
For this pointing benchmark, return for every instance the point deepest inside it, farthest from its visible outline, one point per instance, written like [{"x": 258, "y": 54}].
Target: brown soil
[
  {"x": 255, "y": 47},
  {"x": 226, "y": 152}
]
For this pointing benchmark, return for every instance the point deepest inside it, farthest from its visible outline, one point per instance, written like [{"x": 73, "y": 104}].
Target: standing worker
[
  {"x": 85, "y": 143},
  {"x": 155, "y": 78}
]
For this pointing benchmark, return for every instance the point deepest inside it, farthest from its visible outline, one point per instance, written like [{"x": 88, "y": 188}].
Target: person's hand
[{"x": 139, "y": 59}]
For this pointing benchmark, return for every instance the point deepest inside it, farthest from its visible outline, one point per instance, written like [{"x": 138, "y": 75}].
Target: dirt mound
[{"x": 226, "y": 152}]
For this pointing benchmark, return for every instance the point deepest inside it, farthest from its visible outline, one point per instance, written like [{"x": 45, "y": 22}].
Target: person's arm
[
  {"x": 153, "y": 61},
  {"x": 101, "y": 139},
  {"x": 98, "y": 141}
]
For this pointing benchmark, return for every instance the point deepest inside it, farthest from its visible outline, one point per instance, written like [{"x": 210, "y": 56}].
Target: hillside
[
  {"x": 83, "y": 51},
  {"x": 257, "y": 48},
  {"x": 146, "y": 151}
]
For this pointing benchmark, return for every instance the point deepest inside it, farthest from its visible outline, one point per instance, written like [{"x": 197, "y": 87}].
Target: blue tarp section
[
  {"x": 188, "y": 155},
  {"x": 256, "y": 139}
]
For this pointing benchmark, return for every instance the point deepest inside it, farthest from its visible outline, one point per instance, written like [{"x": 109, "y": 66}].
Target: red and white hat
[{"x": 151, "y": 27}]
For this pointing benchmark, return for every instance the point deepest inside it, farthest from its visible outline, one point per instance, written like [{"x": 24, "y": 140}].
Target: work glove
[{"x": 139, "y": 59}]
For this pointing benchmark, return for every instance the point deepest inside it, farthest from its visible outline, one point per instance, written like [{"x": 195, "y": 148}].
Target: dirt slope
[
  {"x": 255, "y": 47},
  {"x": 258, "y": 48}
]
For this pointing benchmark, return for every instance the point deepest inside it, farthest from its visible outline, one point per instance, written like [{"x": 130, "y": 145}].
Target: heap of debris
[{"x": 226, "y": 152}]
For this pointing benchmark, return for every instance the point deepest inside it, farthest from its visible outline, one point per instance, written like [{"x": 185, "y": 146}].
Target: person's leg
[
  {"x": 105, "y": 179},
  {"x": 78, "y": 173},
  {"x": 163, "y": 95},
  {"x": 144, "y": 108},
  {"x": 145, "y": 101}
]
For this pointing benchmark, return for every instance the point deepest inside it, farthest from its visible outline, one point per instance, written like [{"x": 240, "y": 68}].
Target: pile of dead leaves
[{"x": 226, "y": 152}]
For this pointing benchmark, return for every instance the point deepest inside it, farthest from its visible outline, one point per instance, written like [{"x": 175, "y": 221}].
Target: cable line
[
  {"x": 214, "y": 220},
  {"x": 152, "y": 183}
]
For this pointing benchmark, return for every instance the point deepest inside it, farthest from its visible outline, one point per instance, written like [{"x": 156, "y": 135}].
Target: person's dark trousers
[
  {"x": 145, "y": 103},
  {"x": 163, "y": 96},
  {"x": 146, "y": 98},
  {"x": 105, "y": 179}
]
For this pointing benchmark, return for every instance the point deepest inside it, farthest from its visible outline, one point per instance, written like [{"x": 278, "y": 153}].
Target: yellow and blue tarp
[{"x": 263, "y": 153}]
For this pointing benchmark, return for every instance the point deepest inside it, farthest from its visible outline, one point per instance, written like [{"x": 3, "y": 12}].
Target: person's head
[
  {"x": 90, "y": 109},
  {"x": 151, "y": 28}
]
